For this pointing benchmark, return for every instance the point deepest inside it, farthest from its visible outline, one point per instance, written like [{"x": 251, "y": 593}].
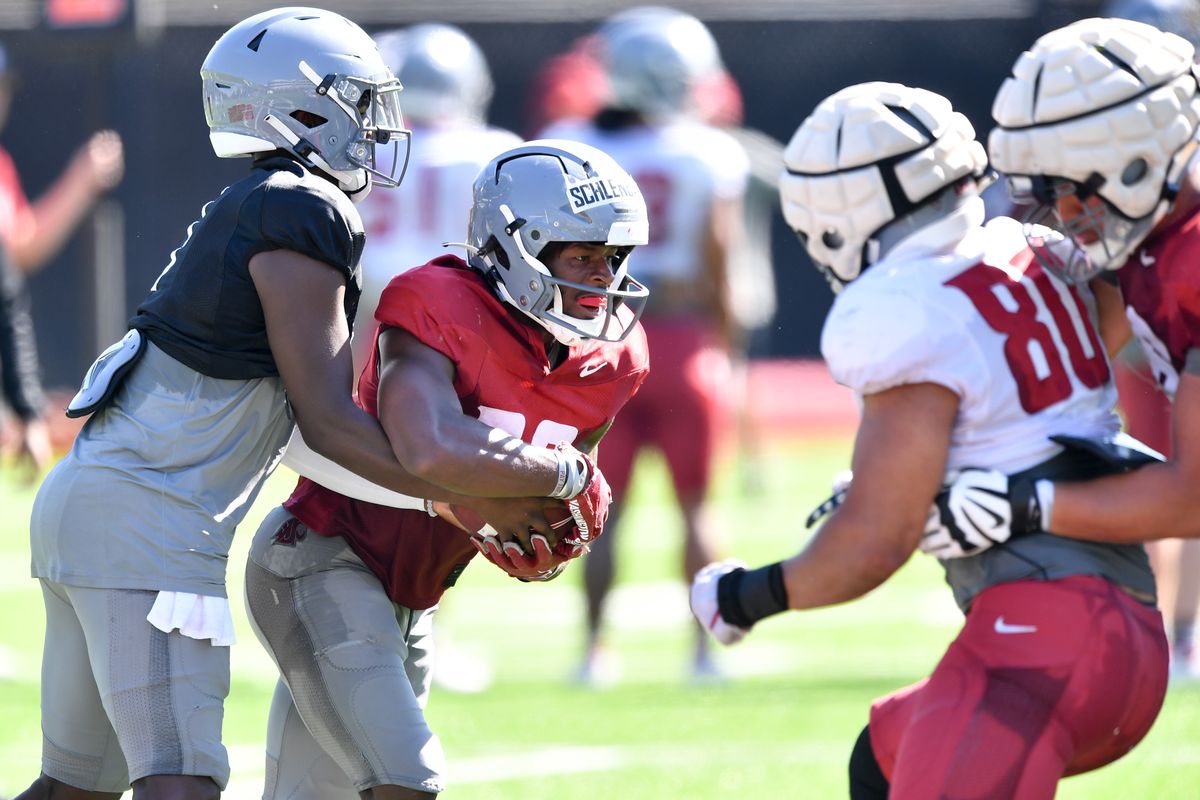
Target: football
[{"x": 557, "y": 515}]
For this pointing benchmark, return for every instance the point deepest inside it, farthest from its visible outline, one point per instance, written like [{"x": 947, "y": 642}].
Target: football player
[
  {"x": 694, "y": 178},
  {"x": 963, "y": 350},
  {"x": 1131, "y": 206},
  {"x": 447, "y": 88},
  {"x": 245, "y": 330},
  {"x": 535, "y": 333}
]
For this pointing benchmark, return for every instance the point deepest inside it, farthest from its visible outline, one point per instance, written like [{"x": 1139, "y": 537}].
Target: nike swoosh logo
[
  {"x": 1147, "y": 261},
  {"x": 588, "y": 369},
  {"x": 1004, "y": 627}
]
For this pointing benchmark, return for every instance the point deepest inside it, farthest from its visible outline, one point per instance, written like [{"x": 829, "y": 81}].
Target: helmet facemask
[
  {"x": 1097, "y": 237},
  {"x": 379, "y": 151}
]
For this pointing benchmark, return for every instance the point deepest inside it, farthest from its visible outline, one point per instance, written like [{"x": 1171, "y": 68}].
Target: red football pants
[{"x": 1046, "y": 679}]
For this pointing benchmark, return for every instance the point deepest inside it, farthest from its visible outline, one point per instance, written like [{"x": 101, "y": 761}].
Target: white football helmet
[
  {"x": 444, "y": 73},
  {"x": 868, "y": 156},
  {"x": 547, "y": 191},
  {"x": 655, "y": 57},
  {"x": 312, "y": 83},
  {"x": 1103, "y": 108}
]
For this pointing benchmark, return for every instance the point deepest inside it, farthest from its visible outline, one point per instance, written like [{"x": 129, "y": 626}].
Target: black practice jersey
[{"x": 204, "y": 310}]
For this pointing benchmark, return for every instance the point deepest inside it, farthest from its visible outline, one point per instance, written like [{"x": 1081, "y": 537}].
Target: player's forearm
[
  {"x": 834, "y": 569},
  {"x": 50, "y": 220},
  {"x": 1161, "y": 501},
  {"x": 470, "y": 458}
]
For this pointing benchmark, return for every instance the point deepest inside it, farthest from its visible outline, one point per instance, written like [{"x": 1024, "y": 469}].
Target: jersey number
[
  {"x": 656, "y": 191},
  {"x": 1034, "y": 357},
  {"x": 548, "y": 433}
]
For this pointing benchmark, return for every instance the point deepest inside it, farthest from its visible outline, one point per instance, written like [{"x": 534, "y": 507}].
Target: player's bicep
[
  {"x": 899, "y": 461},
  {"x": 417, "y": 403},
  {"x": 302, "y": 301}
]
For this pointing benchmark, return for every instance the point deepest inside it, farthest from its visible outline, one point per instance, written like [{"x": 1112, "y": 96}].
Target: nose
[{"x": 600, "y": 271}]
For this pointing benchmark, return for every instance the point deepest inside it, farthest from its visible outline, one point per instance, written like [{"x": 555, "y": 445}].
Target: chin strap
[{"x": 350, "y": 183}]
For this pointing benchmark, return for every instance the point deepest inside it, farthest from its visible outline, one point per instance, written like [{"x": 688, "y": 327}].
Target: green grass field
[{"x": 782, "y": 726}]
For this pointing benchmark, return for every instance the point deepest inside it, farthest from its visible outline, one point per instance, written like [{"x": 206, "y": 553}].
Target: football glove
[
  {"x": 704, "y": 601},
  {"x": 589, "y": 505},
  {"x": 544, "y": 565},
  {"x": 977, "y": 509}
]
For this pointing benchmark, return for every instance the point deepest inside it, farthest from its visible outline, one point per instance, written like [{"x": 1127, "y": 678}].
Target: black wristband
[
  {"x": 746, "y": 596},
  {"x": 1026, "y": 510}
]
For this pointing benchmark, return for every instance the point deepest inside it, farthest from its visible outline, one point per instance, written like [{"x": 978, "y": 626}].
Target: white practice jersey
[
  {"x": 407, "y": 226},
  {"x": 978, "y": 315},
  {"x": 681, "y": 168}
]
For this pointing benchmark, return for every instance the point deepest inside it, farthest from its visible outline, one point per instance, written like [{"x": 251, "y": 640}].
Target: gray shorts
[
  {"x": 121, "y": 699},
  {"x": 356, "y": 666}
]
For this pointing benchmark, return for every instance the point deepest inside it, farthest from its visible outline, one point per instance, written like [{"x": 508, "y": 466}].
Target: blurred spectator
[
  {"x": 447, "y": 88},
  {"x": 31, "y": 233},
  {"x": 693, "y": 176}
]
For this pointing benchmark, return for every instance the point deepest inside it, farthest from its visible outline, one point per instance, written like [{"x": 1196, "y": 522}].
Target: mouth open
[{"x": 593, "y": 302}]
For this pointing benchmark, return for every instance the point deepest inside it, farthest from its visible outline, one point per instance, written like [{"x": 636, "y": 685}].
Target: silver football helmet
[
  {"x": 876, "y": 160},
  {"x": 552, "y": 190},
  {"x": 312, "y": 83},
  {"x": 444, "y": 73},
  {"x": 655, "y": 57},
  {"x": 1101, "y": 108}
]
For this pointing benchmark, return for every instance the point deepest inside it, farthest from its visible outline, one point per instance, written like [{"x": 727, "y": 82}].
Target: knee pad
[{"x": 866, "y": 778}]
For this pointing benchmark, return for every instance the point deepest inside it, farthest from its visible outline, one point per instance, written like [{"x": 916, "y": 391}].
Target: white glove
[
  {"x": 971, "y": 514},
  {"x": 704, "y": 601}
]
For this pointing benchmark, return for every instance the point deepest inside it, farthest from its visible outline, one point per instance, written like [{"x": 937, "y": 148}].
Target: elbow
[
  {"x": 433, "y": 460},
  {"x": 882, "y": 559}
]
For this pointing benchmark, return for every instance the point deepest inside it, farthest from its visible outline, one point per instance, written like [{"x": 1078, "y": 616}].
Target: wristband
[
  {"x": 572, "y": 473},
  {"x": 746, "y": 596},
  {"x": 429, "y": 508},
  {"x": 1044, "y": 490}
]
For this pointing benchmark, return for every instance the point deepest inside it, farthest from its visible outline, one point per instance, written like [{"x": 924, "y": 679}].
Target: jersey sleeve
[
  {"x": 427, "y": 303},
  {"x": 313, "y": 223},
  {"x": 876, "y": 340}
]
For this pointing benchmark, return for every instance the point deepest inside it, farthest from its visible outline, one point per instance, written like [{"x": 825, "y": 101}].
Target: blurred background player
[
  {"x": 693, "y": 177},
  {"x": 573, "y": 85},
  {"x": 460, "y": 346},
  {"x": 964, "y": 351},
  {"x": 447, "y": 88},
  {"x": 32, "y": 233}
]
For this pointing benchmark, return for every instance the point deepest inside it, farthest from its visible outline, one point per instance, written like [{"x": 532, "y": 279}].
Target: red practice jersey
[
  {"x": 1161, "y": 286},
  {"x": 503, "y": 377}
]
